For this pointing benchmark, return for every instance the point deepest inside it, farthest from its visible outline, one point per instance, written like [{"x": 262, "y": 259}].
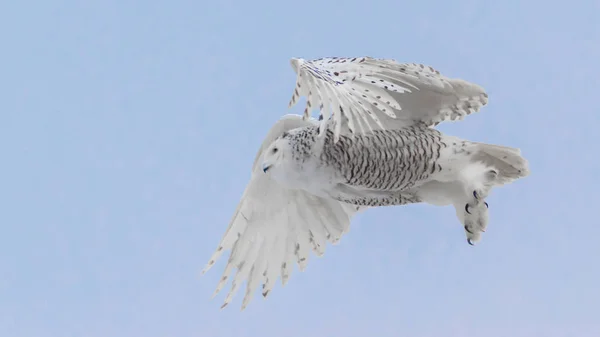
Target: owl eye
[{"x": 275, "y": 150}]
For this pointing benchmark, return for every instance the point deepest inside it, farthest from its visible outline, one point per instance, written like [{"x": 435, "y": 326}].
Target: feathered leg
[
  {"x": 474, "y": 217},
  {"x": 470, "y": 171}
]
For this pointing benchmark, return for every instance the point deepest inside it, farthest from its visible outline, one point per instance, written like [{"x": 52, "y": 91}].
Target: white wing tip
[
  {"x": 207, "y": 267},
  {"x": 296, "y": 62}
]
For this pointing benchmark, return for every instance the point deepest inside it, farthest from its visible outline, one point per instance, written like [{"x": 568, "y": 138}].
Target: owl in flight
[{"x": 374, "y": 144}]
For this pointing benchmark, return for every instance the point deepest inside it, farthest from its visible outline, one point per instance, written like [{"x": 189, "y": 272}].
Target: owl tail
[{"x": 508, "y": 161}]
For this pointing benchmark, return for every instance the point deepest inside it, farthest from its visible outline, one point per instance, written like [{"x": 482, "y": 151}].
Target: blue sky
[{"x": 129, "y": 127}]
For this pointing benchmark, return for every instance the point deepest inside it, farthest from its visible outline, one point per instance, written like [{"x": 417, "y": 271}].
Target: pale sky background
[{"x": 128, "y": 129}]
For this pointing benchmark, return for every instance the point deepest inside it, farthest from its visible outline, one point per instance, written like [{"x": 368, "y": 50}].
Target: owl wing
[
  {"x": 364, "y": 93},
  {"x": 274, "y": 228}
]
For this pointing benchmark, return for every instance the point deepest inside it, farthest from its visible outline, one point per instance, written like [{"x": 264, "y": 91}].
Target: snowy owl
[{"x": 373, "y": 145}]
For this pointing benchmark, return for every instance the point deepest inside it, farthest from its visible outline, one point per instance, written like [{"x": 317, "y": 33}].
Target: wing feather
[
  {"x": 274, "y": 228},
  {"x": 383, "y": 93}
]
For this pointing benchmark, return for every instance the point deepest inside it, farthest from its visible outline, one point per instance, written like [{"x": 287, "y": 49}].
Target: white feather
[
  {"x": 274, "y": 228},
  {"x": 391, "y": 94}
]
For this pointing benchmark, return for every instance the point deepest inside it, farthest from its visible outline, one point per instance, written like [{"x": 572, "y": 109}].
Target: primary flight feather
[
  {"x": 364, "y": 93},
  {"x": 374, "y": 145}
]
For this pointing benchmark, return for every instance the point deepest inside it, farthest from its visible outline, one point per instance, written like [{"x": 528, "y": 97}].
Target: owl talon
[{"x": 474, "y": 218}]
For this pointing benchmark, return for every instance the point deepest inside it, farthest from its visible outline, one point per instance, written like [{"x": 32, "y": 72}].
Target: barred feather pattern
[
  {"x": 392, "y": 200},
  {"x": 382, "y": 160}
]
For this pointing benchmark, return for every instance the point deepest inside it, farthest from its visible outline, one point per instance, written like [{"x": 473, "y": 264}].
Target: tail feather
[{"x": 506, "y": 160}]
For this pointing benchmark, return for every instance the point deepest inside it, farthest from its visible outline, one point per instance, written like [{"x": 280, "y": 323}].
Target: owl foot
[
  {"x": 479, "y": 195},
  {"x": 475, "y": 219},
  {"x": 481, "y": 187}
]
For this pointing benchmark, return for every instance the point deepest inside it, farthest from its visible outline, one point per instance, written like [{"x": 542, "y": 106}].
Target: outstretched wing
[
  {"x": 273, "y": 227},
  {"x": 364, "y": 93}
]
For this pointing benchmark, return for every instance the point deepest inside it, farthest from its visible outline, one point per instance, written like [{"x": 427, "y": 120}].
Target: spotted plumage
[
  {"x": 373, "y": 145},
  {"x": 373, "y": 93},
  {"x": 385, "y": 160}
]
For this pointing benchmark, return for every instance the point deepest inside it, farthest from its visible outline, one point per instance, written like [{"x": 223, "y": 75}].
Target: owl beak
[{"x": 266, "y": 167}]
